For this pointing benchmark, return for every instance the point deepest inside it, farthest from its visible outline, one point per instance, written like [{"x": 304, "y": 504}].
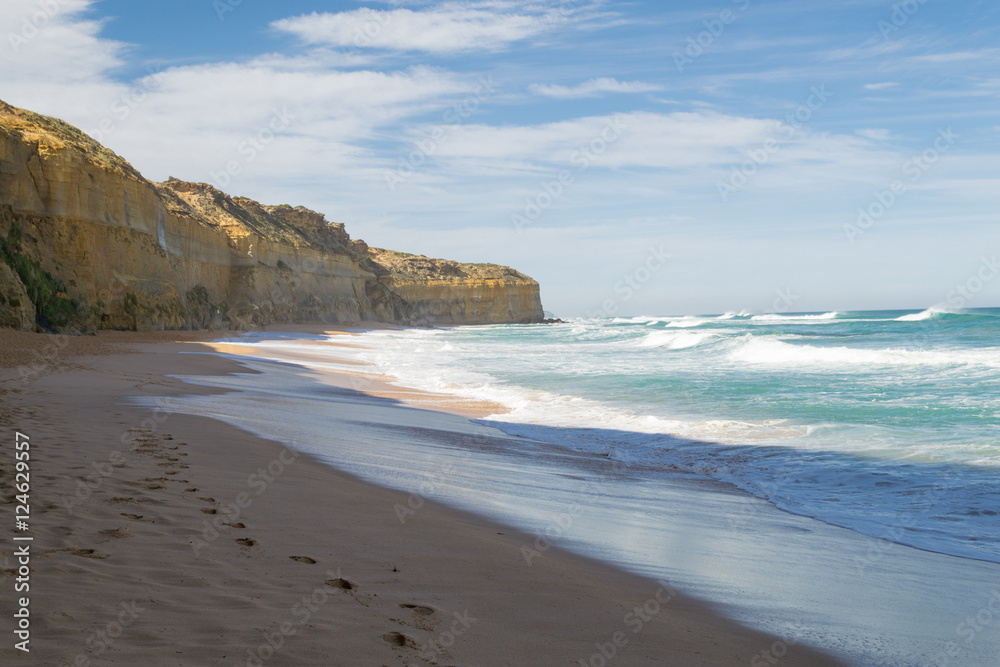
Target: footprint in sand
[
  {"x": 207, "y": 510},
  {"x": 397, "y": 639},
  {"x": 418, "y": 609},
  {"x": 206, "y": 499},
  {"x": 134, "y": 517},
  {"x": 303, "y": 559},
  {"x": 342, "y": 584},
  {"x": 191, "y": 490},
  {"x": 86, "y": 553},
  {"x": 245, "y": 541},
  {"x": 235, "y": 525},
  {"x": 115, "y": 534}
]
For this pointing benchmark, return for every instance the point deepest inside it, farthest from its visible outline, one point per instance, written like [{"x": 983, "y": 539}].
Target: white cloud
[
  {"x": 646, "y": 139},
  {"x": 954, "y": 56},
  {"x": 446, "y": 28},
  {"x": 40, "y": 38},
  {"x": 197, "y": 118},
  {"x": 881, "y": 86},
  {"x": 874, "y": 134},
  {"x": 592, "y": 88},
  {"x": 189, "y": 121},
  {"x": 672, "y": 141}
]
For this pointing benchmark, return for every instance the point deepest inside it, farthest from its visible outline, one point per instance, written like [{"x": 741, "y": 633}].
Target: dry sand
[{"x": 127, "y": 568}]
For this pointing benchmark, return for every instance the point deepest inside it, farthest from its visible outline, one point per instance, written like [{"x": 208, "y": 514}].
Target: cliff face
[
  {"x": 446, "y": 292},
  {"x": 95, "y": 245}
]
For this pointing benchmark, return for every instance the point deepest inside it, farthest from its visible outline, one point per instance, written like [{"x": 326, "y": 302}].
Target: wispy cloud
[
  {"x": 885, "y": 85},
  {"x": 592, "y": 88},
  {"x": 954, "y": 56},
  {"x": 874, "y": 134},
  {"x": 695, "y": 145},
  {"x": 450, "y": 27}
]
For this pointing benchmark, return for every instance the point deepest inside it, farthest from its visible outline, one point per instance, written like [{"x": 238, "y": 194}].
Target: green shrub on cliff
[{"x": 53, "y": 311}]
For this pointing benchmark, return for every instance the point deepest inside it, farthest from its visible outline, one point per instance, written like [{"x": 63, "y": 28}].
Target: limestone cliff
[
  {"x": 446, "y": 292},
  {"x": 93, "y": 244}
]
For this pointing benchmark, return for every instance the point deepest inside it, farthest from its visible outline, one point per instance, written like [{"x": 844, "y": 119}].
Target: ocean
[
  {"x": 779, "y": 467},
  {"x": 883, "y": 422}
]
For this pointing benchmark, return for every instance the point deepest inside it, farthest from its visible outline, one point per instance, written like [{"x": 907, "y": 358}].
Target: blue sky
[{"x": 635, "y": 157}]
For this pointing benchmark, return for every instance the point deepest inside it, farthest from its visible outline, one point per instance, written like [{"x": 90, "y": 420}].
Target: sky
[{"x": 636, "y": 158}]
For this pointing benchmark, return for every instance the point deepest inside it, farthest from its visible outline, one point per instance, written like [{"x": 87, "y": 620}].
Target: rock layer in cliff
[{"x": 442, "y": 291}]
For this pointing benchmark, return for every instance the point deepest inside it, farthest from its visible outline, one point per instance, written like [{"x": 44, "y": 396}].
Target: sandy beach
[{"x": 165, "y": 539}]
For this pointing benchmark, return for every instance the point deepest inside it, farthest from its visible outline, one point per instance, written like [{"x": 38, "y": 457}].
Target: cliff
[
  {"x": 446, "y": 292},
  {"x": 91, "y": 244}
]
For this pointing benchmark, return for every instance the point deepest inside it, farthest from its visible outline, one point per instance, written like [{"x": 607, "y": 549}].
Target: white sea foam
[
  {"x": 753, "y": 350},
  {"x": 777, "y": 317},
  {"x": 670, "y": 340},
  {"x": 687, "y": 322},
  {"x": 930, "y": 313}
]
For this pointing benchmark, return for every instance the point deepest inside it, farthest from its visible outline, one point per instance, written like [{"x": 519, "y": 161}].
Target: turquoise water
[{"x": 884, "y": 422}]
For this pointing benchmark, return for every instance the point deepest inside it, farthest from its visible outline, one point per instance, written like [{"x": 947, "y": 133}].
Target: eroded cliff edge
[
  {"x": 446, "y": 292},
  {"x": 90, "y": 243}
]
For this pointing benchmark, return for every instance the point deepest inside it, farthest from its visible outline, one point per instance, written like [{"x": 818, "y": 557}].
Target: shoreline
[
  {"x": 750, "y": 560},
  {"x": 410, "y": 588}
]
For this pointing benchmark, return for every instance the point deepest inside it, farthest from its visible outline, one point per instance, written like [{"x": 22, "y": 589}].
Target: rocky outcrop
[
  {"x": 446, "y": 292},
  {"x": 109, "y": 249}
]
